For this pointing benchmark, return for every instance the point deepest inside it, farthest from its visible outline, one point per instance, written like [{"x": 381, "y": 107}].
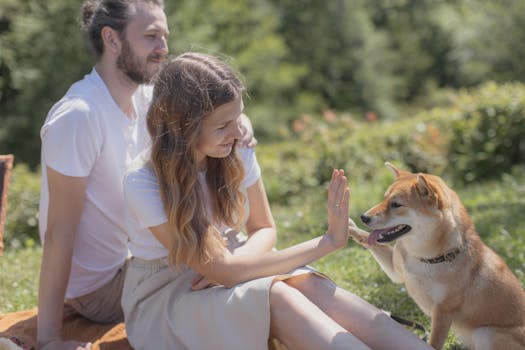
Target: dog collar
[{"x": 446, "y": 256}]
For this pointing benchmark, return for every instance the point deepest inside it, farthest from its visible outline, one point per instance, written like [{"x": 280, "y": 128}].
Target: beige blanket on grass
[{"x": 22, "y": 325}]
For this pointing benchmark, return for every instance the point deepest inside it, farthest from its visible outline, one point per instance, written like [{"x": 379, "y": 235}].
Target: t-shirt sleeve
[
  {"x": 142, "y": 196},
  {"x": 70, "y": 141},
  {"x": 252, "y": 170}
]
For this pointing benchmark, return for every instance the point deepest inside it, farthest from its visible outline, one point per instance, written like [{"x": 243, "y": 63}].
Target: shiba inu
[{"x": 422, "y": 236}]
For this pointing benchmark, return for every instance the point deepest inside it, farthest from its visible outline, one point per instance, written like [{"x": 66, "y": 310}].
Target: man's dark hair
[{"x": 96, "y": 14}]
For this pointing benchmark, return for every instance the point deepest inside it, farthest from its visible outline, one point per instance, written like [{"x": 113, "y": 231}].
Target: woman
[{"x": 192, "y": 284}]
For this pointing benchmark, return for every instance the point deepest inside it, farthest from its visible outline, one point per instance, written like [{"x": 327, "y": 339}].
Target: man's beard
[{"x": 130, "y": 65}]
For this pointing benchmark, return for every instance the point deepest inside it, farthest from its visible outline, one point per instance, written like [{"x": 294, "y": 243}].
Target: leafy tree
[
  {"x": 420, "y": 43},
  {"x": 246, "y": 32},
  {"x": 297, "y": 56},
  {"x": 488, "y": 39},
  {"x": 41, "y": 53},
  {"x": 347, "y": 58}
]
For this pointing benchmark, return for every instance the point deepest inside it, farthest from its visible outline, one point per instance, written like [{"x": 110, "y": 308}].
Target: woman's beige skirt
[{"x": 162, "y": 312}]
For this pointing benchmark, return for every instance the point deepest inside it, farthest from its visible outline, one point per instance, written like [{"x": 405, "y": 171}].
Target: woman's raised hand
[{"x": 338, "y": 204}]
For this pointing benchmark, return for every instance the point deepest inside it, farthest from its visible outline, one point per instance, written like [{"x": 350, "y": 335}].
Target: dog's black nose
[{"x": 365, "y": 218}]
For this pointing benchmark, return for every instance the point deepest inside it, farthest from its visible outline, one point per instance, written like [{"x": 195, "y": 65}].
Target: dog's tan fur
[{"x": 474, "y": 292}]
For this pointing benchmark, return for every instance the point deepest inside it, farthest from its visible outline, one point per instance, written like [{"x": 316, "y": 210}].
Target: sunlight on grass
[
  {"x": 496, "y": 208},
  {"x": 19, "y": 279}
]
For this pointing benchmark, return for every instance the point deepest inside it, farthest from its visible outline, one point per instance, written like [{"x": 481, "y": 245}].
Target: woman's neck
[{"x": 202, "y": 163}]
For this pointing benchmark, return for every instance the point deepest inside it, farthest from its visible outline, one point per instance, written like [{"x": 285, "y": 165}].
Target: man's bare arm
[{"x": 66, "y": 201}]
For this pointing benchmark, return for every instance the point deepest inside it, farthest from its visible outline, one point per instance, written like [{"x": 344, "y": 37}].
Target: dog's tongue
[{"x": 375, "y": 235}]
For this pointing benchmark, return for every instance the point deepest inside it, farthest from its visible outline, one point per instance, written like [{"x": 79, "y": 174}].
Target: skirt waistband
[{"x": 154, "y": 263}]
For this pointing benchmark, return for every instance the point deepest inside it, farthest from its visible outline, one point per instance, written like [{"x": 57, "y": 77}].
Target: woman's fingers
[
  {"x": 337, "y": 197},
  {"x": 345, "y": 202},
  {"x": 197, "y": 279},
  {"x": 333, "y": 187},
  {"x": 341, "y": 209},
  {"x": 338, "y": 205},
  {"x": 201, "y": 282}
]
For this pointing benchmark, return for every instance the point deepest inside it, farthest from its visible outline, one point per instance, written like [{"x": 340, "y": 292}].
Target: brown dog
[{"x": 423, "y": 237}]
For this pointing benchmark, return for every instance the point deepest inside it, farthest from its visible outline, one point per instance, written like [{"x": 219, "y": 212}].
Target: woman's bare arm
[{"x": 230, "y": 269}]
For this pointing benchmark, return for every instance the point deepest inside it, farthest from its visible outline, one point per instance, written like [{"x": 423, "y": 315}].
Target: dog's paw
[{"x": 358, "y": 235}]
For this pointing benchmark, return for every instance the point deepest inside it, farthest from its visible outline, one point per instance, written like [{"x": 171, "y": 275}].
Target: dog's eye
[{"x": 395, "y": 205}]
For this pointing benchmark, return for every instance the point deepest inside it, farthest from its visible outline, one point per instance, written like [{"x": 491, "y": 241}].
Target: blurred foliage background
[
  {"x": 381, "y": 58},
  {"x": 433, "y": 85}
]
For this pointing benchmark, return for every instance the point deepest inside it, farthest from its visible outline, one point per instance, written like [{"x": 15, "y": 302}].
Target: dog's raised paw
[{"x": 358, "y": 235}]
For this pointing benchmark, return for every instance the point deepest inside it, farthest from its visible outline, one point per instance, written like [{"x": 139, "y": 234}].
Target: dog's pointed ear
[
  {"x": 422, "y": 186},
  {"x": 397, "y": 172},
  {"x": 393, "y": 169},
  {"x": 427, "y": 187}
]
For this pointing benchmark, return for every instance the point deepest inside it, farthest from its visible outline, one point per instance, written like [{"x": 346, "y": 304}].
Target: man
[{"x": 88, "y": 140}]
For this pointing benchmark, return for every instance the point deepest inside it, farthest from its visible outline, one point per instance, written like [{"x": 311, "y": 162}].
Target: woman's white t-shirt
[{"x": 144, "y": 207}]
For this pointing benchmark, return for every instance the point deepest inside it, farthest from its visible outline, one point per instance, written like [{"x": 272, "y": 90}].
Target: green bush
[
  {"x": 287, "y": 169},
  {"x": 21, "y": 224},
  {"x": 359, "y": 147},
  {"x": 488, "y": 138},
  {"x": 415, "y": 144},
  {"x": 480, "y": 135}
]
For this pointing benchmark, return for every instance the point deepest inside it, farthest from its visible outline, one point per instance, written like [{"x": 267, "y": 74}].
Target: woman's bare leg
[
  {"x": 299, "y": 324},
  {"x": 362, "y": 319}
]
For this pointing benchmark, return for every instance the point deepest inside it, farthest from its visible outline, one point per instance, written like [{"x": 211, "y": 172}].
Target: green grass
[
  {"x": 496, "y": 207},
  {"x": 19, "y": 273}
]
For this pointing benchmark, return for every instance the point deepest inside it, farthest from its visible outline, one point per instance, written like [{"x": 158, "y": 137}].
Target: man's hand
[
  {"x": 248, "y": 138},
  {"x": 65, "y": 345}
]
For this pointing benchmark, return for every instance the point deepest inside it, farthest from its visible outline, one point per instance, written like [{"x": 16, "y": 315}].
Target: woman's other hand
[{"x": 202, "y": 282}]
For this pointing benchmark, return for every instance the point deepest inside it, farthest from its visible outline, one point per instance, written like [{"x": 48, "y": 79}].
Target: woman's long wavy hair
[{"x": 187, "y": 90}]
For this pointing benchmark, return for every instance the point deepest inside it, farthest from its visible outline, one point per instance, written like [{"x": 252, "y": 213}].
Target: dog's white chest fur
[{"x": 421, "y": 280}]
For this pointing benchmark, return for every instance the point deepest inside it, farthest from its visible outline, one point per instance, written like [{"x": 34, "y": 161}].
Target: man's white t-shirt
[
  {"x": 86, "y": 134},
  {"x": 145, "y": 208}
]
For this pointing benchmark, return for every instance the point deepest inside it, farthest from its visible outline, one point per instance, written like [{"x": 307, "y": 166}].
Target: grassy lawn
[
  {"x": 19, "y": 279},
  {"x": 496, "y": 207}
]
